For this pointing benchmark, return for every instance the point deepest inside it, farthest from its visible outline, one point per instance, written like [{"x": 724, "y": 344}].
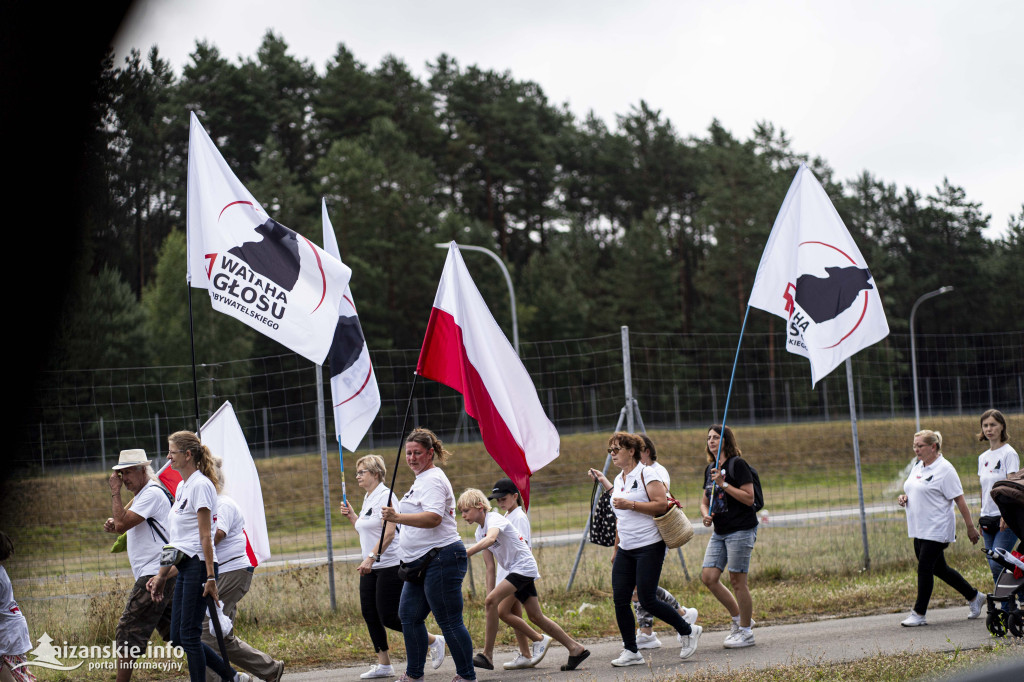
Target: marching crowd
[{"x": 188, "y": 558}]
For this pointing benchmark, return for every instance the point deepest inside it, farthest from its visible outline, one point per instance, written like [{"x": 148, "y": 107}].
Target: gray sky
[{"x": 910, "y": 91}]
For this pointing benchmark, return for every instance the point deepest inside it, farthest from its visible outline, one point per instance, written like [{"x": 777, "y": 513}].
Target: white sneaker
[
  {"x": 517, "y": 663},
  {"x": 436, "y": 651},
  {"x": 628, "y": 657},
  {"x": 539, "y": 649},
  {"x": 378, "y": 670},
  {"x": 735, "y": 626},
  {"x": 690, "y": 641},
  {"x": 976, "y": 604},
  {"x": 690, "y": 616},
  {"x": 743, "y": 638},
  {"x": 913, "y": 620},
  {"x": 645, "y": 641},
  {"x": 242, "y": 677}
]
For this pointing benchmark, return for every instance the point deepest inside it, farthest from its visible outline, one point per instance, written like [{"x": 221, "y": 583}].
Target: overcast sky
[{"x": 910, "y": 91}]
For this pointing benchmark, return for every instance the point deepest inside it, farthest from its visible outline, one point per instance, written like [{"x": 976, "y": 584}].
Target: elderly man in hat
[{"x": 145, "y": 522}]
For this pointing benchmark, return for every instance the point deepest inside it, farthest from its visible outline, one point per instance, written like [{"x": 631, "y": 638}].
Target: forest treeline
[{"x": 600, "y": 225}]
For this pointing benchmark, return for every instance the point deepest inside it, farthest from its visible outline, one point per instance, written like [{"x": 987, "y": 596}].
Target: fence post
[
  {"x": 892, "y": 400},
  {"x": 991, "y": 395},
  {"x": 266, "y": 435},
  {"x": 322, "y": 443},
  {"x": 1020, "y": 391},
  {"x": 103, "y": 446},
  {"x": 714, "y": 405},
  {"x": 593, "y": 409},
  {"x": 860, "y": 397},
  {"x": 42, "y": 450},
  {"x": 156, "y": 429},
  {"x": 750, "y": 401},
  {"x": 551, "y": 405},
  {"x": 824, "y": 398},
  {"x": 959, "y": 401},
  {"x": 627, "y": 378},
  {"x": 675, "y": 404},
  {"x": 415, "y": 415},
  {"x": 928, "y": 395},
  {"x": 789, "y": 405}
]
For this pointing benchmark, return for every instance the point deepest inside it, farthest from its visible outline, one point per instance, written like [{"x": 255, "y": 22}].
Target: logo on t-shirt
[
  {"x": 635, "y": 486},
  {"x": 369, "y": 512},
  {"x": 181, "y": 507},
  {"x": 996, "y": 467},
  {"x": 929, "y": 479}
]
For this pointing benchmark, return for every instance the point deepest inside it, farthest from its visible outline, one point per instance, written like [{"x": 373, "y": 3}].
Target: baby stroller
[
  {"x": 1004, "y": 613},
  {"x": 1008, "y": 495}
]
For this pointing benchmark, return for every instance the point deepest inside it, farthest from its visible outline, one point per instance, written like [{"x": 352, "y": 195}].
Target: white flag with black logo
[
  {"x": 813, "y": 276},
  {"x": 254, "y": 268},
  {"x": 354, "y": 391}
]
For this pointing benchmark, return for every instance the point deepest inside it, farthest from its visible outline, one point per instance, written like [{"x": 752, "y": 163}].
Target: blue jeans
[
  {"x": 1004, "y": 539},
  {"x": 441, "y": 595},
  {"x": 187, "y": 613},
  {"x": 641, "y": 567}
]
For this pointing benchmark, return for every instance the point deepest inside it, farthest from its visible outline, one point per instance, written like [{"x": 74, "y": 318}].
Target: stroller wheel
[
  {"x": 1015, "y": 623},
  {"x": 996, "y": 622}
]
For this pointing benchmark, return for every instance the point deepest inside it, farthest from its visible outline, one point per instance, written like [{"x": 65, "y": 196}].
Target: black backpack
[{"x": 758, "y": 493}]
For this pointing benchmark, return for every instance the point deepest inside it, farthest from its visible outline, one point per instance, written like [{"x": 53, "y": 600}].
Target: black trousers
[
  {"x": 379, "y": 594},
  {"x": 931, "y": 563}
]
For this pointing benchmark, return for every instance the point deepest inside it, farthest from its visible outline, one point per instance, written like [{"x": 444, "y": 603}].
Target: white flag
[
  {"x": 813, "y": 275},
  {"x": 354, "y": 391},
  {"x": 256, "y": 269}
]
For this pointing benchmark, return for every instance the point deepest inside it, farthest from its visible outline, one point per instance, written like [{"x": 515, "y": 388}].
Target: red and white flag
[
  {"x": 254, "y": 268},
  {"x": 813, "y": 276},
  {"x": 223, "y": 435},
  {"x": 464, "y": 348},
  {"x": 354, "y": 391}
]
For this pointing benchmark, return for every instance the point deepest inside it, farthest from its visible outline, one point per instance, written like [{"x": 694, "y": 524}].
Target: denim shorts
[{"x": 733, "y": 549}]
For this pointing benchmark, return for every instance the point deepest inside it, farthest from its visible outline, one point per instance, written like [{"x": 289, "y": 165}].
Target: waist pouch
[
  {"x": 415, "y": 571},
  {"x": 989, "y": 524},
  {"x": 171, "y": 556}
]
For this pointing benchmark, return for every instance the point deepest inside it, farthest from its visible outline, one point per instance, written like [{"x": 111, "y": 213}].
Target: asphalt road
[{"x": 827, "y": 640}]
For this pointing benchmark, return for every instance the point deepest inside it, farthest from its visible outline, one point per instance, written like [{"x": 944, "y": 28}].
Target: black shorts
[{"x": 524, "y": 586}]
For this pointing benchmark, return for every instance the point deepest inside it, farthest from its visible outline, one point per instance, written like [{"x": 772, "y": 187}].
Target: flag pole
[
  {"x": 398, "y": 460},
  {"x": 728, "y": 395},
  {"x": 192, "y": 339},
  {"x": 341, "y": 461}
]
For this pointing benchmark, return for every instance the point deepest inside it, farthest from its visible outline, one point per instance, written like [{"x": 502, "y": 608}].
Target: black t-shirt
[{"x": 730, "y": 514}]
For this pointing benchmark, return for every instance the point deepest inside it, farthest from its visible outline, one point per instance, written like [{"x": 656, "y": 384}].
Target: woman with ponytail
[{"x": 190, "y": 552}]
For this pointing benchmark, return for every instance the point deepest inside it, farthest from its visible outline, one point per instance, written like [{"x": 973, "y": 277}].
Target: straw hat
[{"x": 132, "y": 458}]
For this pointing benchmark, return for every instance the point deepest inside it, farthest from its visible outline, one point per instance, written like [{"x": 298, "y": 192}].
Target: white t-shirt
[
  {"x": 930, "y": 492},
  {"x": 635, "y": 528},
  {"x": 430, "y": 492},
  {"x": 144, "y": 544},
  {"x": 666, "y": 479},
  {"x": 994, "y": 465},
  {"x": 192, "y": 495},
  {"x": 368, "y": 527},
  {"x": 231, "y": 554},
  {"x": 14, "y": 639},
  {"x": 509, "y": 549},
  {"x": 518, "y": 518}
]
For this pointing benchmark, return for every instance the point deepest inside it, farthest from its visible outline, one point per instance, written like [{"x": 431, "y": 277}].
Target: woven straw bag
[{"x": 676, "y": 530}]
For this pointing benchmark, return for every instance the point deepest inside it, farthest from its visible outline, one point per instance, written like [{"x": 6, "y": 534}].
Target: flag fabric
[
  {"x": 813, "y": 276},
  {"x": 254, "y": 268},
  {"x": 354, "y": 391},
  {"x": 223, "y": 435},
  {"x": 464, "y": 348}
]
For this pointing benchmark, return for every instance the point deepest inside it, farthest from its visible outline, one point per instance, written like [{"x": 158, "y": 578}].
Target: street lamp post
[
  {"x": 913, "y": 349},
  {"x": 508, "y": 281}
]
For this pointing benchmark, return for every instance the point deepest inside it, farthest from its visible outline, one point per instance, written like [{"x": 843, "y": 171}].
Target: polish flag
[{"x": 465, "y": 349}]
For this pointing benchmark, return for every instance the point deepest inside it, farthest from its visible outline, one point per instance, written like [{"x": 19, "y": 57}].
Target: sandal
[
  {"x": 576, "y": 660},
  {"x": 480, "y": 661}
]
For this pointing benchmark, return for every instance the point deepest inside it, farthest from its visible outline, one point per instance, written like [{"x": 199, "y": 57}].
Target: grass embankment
[{"x": 798, "y": 573}]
